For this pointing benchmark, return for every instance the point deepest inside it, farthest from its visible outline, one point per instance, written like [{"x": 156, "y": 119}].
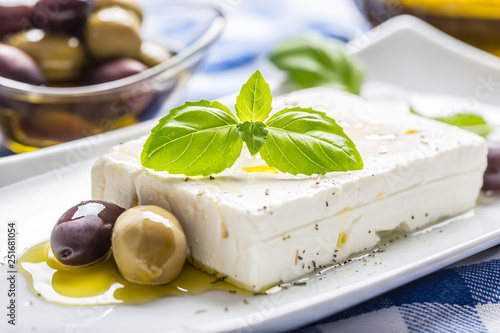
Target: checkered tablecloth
[{"x": 462, "y": 298}]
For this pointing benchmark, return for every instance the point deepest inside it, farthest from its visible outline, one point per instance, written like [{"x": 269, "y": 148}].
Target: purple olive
[
  {"x": 492, "y": 173},
  {"x": 82, "y": 235},
  {"x": 67, "y": 15},
  {"x": 14, "y": 18},
  {"x": 19, "y": 66},
  {"x": 115, "y": 70}
]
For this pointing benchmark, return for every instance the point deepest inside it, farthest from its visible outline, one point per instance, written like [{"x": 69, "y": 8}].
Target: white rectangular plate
[{"x": 36, "y": 203}]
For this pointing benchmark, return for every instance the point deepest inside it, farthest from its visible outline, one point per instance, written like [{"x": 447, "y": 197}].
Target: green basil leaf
[
  {"x": 254, "y": 101},
  {"x": 197, "y": 138},
  {"x": 468, "y": 121},
  {"x": 314, "y": 60},
  {"x": 253, "y": 134},
  {"x": 308, "y": 142}
]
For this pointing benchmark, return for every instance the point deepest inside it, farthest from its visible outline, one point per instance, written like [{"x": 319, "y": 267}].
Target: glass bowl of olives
[{"x": 74, "y": 68}]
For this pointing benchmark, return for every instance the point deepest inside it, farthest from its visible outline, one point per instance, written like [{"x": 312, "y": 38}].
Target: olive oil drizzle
[
  {"x": 261, "y": 168},
  {"x": 102, "y": 284}
]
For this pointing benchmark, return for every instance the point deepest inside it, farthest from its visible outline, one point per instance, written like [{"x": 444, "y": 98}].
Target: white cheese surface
[{"x": 255, "y": 226}]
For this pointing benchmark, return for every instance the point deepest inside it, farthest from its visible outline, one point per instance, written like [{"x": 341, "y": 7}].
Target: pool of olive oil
[{"x": 102, "y": 284}]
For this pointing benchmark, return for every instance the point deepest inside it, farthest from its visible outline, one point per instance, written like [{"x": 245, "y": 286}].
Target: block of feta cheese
[{"x": 259, "y": 227}]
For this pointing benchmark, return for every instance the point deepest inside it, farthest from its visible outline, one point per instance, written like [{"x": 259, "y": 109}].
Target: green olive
[
  {"x": 149, "y": 245},
  {"x": 152, "y": 54},
  {"x": 113, "y": 32},
  {"x": 128, "y": 4},
  {"x": 60, "y": 57}
]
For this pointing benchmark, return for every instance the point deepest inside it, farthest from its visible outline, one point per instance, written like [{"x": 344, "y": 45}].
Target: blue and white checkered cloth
[{"x": 461, "y": 298}]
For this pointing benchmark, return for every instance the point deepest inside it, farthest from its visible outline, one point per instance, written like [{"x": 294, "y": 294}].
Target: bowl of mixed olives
[{"x": 74, "y": 68}]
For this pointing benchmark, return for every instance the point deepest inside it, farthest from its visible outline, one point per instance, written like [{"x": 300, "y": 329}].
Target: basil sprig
[
  {"x": 314, "y": 60},
  {"x": 204, "y": 138}
]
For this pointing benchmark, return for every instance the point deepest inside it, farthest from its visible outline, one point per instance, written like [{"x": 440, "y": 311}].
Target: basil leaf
[
  {"x": 197, "y": 138},
  {"x": 254, "y": 101},
  {"x": 468, "y": 121},
  {"x": 253, "y": 134},
  {"x": 314, "y": 60},
  {"x": 308, "y": 142}
]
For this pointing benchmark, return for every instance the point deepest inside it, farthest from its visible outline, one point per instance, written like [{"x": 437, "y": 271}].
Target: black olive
[{"x": 82, "y": 234}]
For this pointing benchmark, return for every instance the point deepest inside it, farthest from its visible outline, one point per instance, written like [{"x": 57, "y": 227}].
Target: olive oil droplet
[{"x": 261, "y": 168}]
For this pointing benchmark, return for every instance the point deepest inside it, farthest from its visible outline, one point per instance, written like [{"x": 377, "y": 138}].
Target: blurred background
[{"x": 253, "y": 29}]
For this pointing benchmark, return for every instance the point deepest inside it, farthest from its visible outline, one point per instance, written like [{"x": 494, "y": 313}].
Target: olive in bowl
[
  {"x": 61, "y": 57},
  {"x": 96, "y": 108},
  {"x": 113, "y": 32},
  {"x": 19, "y": 66},
  {"x": 115, "y": 70},
  {"x": 82, "y": 235},
  {"x": 128, "y": 4},
  {"x": 66, "y": 16},
  {"x": 14, "y": 17}
]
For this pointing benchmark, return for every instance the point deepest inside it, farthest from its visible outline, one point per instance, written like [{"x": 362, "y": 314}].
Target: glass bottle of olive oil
[{"x": 476, "y": 22}]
